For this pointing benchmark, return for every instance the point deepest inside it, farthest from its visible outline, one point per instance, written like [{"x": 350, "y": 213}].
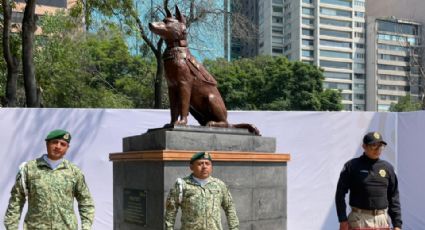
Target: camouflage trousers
[{"x": 368, "y": 221}]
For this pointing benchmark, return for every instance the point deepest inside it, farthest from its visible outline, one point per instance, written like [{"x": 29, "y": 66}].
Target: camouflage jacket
[
  {"x": 201, "y": 206},
  {"x": 50, "y": 197}
]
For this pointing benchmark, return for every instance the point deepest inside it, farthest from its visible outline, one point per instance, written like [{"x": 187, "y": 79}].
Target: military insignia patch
[
  {"x": 382, "y": 173},
  {"x": 376, "y": 135},
  {"x": 66, "y": 136},
  {"x": 206, "y": 155}
]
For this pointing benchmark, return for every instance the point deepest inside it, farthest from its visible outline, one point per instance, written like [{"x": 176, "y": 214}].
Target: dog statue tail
[{"x": 250, "y": 127}]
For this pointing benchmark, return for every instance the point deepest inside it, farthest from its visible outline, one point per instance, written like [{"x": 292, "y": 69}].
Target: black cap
[{"x": 372, "y": 138}]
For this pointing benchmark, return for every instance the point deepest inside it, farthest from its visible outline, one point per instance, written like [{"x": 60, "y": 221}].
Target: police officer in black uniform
[{"x": 373, "y": 188}]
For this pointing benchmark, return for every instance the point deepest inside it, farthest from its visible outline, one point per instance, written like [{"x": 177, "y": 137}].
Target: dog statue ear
[
  {"x": 169, "y": 15},
  {"x": 180, "y": 16}
]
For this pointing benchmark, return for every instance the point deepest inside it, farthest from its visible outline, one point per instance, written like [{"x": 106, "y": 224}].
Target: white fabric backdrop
[
  {"x": 411, "y": 161},
  {"x": 319, "y": 144}
]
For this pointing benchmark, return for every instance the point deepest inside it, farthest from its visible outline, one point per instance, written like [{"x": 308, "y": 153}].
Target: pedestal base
[
  {"x": 257, "y": 182},
  {"x": 151, "y": 163}
]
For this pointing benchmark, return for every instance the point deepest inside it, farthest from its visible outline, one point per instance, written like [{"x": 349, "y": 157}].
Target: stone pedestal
[{"x": 151, "y": 163}]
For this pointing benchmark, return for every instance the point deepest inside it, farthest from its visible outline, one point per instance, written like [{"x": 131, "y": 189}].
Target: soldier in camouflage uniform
[
  {"x": 200, "y": 197},
  {"x": 50, "y": 184}
]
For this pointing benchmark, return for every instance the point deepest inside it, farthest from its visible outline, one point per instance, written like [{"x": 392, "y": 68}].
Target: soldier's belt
[{"x": 373, "y": 212}]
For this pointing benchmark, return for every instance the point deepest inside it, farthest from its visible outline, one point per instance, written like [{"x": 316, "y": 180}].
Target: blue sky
[{"x": 206, "y": 39}]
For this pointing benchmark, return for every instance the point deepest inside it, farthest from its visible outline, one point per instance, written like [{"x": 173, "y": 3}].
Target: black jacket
[{"x": 373, "y": 185}]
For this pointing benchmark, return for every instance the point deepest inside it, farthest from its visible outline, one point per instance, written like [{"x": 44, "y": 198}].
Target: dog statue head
[{"x": 170, "y": 29}]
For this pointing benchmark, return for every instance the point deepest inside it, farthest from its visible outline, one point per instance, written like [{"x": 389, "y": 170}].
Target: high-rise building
[
  {"x": 395, "y": 50},
  {"x": 241, "y": 29},
  {"x": 394, "y": 63},
  {"x": 326, "y": 33}
]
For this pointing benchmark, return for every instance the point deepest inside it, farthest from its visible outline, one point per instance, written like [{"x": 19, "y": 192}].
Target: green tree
[
  {"x": 10, "y": 55},
  {"x": 29, "y": 26},
  {"x": 272, "y": 83},
  {"x": 405, "y": 104},
  {"x": 79, "y": 69},
  {"x": 330, "y": 100}
]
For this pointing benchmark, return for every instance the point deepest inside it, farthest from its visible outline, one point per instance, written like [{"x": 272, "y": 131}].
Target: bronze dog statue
[{"x": 190, "y": 86}]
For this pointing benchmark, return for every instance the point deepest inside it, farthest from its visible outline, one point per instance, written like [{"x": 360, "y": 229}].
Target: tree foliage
[
  {"x": 405, "y": 104},
  {"x": 78, "y": 69},
  {"x": 272, "y": 83}
]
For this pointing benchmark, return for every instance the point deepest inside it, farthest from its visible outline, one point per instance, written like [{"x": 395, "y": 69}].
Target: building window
[
  {"x": 17, "y": 17},
  {"x": 393, "y": 47},
  {"x": 277, "y": 50},
  {"x": 391, "y": 77},
  {"x": 399, "y": 28},
  {"x": 337, "y": 75},
  {"x": 359, "y": 96},
  {"x": 359, "y": 14},
  {"x": 308, "y": 21},
  {"x": 393, "y": 57},
  {"x": 335, "y": 54},
  {"x": 359, "y": 24},
  {"x": 277, "y": 19},
  {"x": 346, "y": 96},
  {"x": 277, "y": 40},
  {"x": 359, "y": 86},
  {"x": 308, "y": 11},
  {"x": 278, "y": 2},
  {"x": 287, "y": 47},
  {"x": 360, "y": 76},
  {"x": 332, "y": 43},
  {"x": 348, "y": 107},
  {"x": 360, "y": 45},
  {"x": 307, "y": 53},
  {"x": 335, "y": 33},
  {"x": 358, "y": 107},
  {"x": 397, "y": 38},
  {"x": 334, "y": 12},
  {"x": 394, "y": 88},
  {"x": 359, "y": 3},
  {"x": 277, "y": 9},
  {"x": 393, "y": 67},
  {"x": 333, "y": 22},
  {"x": 346, "y": 3},
  {"x": 308, "y": 1},
  {"x": 360, "y": 55},
  {"x": 334, "y": 64},
  {"x": 334, "y": 85},
  {"x": 359, "y": 65},
  {"x": 308, "y": 42},
  {"x": 308, "y": 32},
  {"x": 358, "y": 35}
]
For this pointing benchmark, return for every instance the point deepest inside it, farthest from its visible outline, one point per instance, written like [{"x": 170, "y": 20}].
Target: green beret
[
  {"x": 59, "y": 134},
  {"x": 200, "y": 155}
]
